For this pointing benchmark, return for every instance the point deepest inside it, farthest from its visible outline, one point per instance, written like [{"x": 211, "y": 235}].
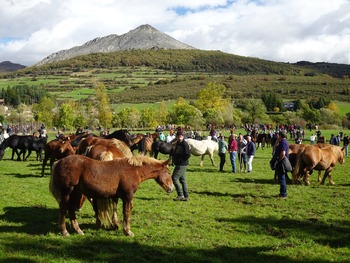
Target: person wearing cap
[{"x": 180, "y": 157}]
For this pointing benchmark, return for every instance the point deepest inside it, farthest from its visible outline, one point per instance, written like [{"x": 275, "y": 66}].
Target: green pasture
[{"x": 229, "y": 218}]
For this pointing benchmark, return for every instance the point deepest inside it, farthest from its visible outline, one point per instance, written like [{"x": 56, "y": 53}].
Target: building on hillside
[{"x": 289, "y": 105}]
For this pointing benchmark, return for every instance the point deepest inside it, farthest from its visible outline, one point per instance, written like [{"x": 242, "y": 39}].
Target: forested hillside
[{"x": 175, "y": 60}]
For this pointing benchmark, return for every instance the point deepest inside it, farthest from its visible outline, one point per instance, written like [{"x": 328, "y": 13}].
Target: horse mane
[
  {"x": 123, "y": 147},
  {"x": 140, "y": 159}
]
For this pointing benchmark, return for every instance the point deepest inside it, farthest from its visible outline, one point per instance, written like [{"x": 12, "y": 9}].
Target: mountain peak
[
  {"x": 143, "y": 37},
  {"x": 7, "y": 66}
]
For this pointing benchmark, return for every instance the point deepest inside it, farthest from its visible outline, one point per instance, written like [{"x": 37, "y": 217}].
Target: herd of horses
[{"x": 104, "y": 169}]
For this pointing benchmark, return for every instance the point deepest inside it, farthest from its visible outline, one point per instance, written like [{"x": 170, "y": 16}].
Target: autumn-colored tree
[
  {"x": 212, "y": 97},
  {"x": 185, "y": 114},
  {"x": 43, "y": 111},
  {"x": 66, "y": 116},
  {"x": 105, "y": 114}
]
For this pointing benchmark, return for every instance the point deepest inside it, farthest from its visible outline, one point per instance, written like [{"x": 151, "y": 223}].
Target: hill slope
[{"x": 7, "y": 66}]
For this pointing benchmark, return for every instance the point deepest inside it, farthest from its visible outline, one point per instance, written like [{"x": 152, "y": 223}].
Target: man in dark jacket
[{"x": 180, "y": 156}]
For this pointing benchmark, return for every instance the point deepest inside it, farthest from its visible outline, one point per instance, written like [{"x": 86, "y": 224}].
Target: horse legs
[
  {"x": 127, "y": 206},
  {"x": 319, "y": 177},
  {"x": 115, "y": 220},
  {"x": 74, "y": 199},
  {"x": 202, "y": 160},
  {"x": 328, "y": 173},
  {"x": 62, "y": 215},
  {"x": 29, "y": 153},
  {"x": 43, "y": 166},
  {"x": 211, "y": 158}
]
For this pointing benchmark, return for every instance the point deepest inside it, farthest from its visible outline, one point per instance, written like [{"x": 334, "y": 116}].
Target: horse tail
[
  {"x": 106, "y": 156},
  {"x": 104, "y": 208},
  {"x": 298, "y": 164},
  {"x": 54, "y": 189}
]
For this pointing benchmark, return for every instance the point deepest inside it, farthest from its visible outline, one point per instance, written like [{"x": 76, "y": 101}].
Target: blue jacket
[{"x": 250, "y": 148}]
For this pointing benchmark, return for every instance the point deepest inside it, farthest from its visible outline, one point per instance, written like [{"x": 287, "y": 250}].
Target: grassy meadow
[{"x": 229, "y": 218}]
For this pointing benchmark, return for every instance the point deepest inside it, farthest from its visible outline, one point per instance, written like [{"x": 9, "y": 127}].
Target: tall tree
[
  {"x": 105, "y": 114},
  {"x": 66, "y": 116},
  {"x": 43, "y": 111},
  {"x": 211, "y": 97}
]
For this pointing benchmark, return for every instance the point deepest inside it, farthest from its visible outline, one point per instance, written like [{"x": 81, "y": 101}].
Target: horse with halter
[
  {"x": 79, "y": 175},
  {"x": 55, "y": 150},
  {"x": 202, "y": 148},
  {"x": 319, "y": 158}
]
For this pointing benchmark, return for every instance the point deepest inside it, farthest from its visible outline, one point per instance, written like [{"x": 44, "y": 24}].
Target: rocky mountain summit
[{"x": 142, "y": 37}]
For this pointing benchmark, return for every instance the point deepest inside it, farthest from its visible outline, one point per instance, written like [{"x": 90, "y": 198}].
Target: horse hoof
[
  {"x": 129, "y": 233},
  {"x": 65, "y": 233},
  {"x": 80, "y": 232}
]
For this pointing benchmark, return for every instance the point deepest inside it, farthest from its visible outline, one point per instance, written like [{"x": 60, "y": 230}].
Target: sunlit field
[{"x": 230, "y": 217}]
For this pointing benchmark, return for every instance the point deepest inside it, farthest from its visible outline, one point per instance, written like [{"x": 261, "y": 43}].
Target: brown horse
[
  {"x": 76, "y": 175},
  {"x": 145, "y": 145},
  {"x": 108, "y": 149},
  {"x": 319, "y": 158},
  {"x": 104, "y": 150},
  {"x": 55, "y": 150}
]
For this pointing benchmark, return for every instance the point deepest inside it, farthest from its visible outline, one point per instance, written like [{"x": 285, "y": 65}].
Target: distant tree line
[{"x": 23, "y": 94}]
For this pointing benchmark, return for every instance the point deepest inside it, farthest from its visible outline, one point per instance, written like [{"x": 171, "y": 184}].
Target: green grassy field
[{"x": 229, "y": 218}]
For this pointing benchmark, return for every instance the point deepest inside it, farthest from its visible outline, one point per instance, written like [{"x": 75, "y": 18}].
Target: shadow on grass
[
  {"x": 21, "y": 175},
  {"x": 117, "y": 248},
  {"x": 334, "y": 234},
  {"x": 31, "y": 220}
]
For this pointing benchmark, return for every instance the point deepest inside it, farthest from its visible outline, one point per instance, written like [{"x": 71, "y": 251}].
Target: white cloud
[{"x": 279, "y": 30}]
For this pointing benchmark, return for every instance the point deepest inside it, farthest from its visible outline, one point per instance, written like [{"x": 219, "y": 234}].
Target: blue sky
[{"x": 278, "y": 30}]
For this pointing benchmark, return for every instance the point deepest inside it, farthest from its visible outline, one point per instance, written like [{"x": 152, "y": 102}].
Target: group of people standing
[
  {"x": 244, "y": 149},
  {"x": 238, "y": 147},
  {"x": 241, "y": 147}
]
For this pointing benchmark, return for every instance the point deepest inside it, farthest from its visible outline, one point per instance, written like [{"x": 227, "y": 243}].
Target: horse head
[{"x": 164, "y": 177}]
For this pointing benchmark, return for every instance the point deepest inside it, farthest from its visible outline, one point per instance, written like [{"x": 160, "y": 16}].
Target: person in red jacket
[{"x": 232, "y": 148}]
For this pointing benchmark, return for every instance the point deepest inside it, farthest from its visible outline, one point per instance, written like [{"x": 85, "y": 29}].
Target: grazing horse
[
  {"x": 55, "y": 150},
  {"x": 162, "y": 147},
  {"x": 79, "y": 175},
  {"x": 202, "y": 148},
  {"x": 319, "y": 158}
]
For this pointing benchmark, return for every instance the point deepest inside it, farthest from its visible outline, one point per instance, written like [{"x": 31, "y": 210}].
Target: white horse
[{"x": 204, "y": 147}]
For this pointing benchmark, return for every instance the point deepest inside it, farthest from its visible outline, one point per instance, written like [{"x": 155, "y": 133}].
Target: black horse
[
  {"x": 20, "y": 144},
  {"x": 162, "y": 147},
  {"x": 122, "y": 135},
  {"x": 32, "y": 144}
]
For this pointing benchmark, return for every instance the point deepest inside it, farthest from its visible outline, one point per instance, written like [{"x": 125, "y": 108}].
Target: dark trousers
[
  {"x": 222, "y": 161},
  {"x": 179, "y": 180}
]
